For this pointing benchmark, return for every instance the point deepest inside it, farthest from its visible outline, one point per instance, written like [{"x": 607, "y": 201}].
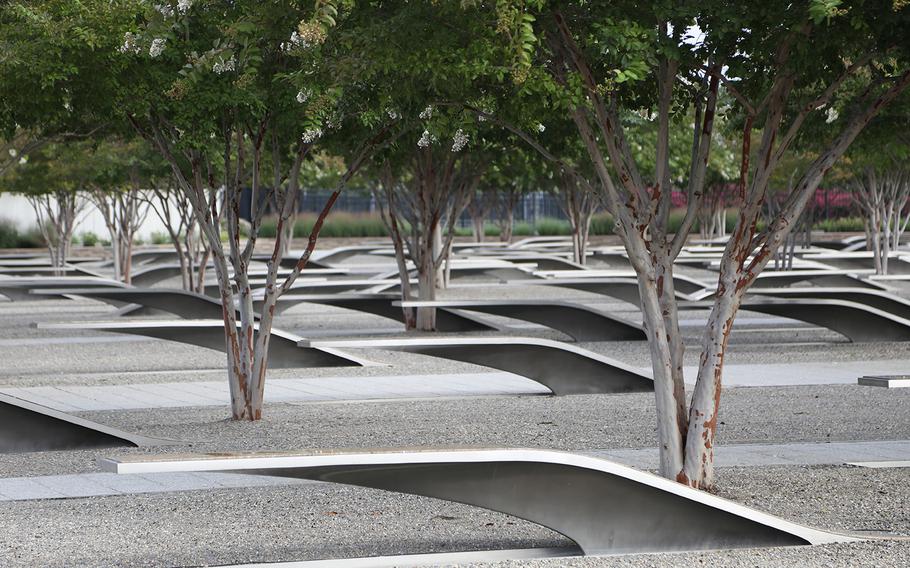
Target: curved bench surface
[
  {"x": 880, "y": 300},
  {"x": 578, "y": 321},
  {"x": 340, "y": 254},
  {"x": 29, "y": 427},
  {"x": 563, "y": 368},
  {"x": 621, "y": 288},
  {"x": 154, "y": 274},
  {"x": 605, "y": 507},
  {"x": 17, "y": 289},
  {"x": 181, "y": 303},
  {"x": 832, "y": 278},
  {"x": 284, "y": 352},
  {"x": 383, "y": 305},
  {"x": 859, "y": 323}
]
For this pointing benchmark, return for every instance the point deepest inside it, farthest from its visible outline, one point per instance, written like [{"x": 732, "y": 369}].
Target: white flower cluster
[
  {"x": 183, "y": 6},
  {"x": 224, "y": 65},
  {"x": 427, "y": 113},
  {"x": 832, "y": 115},
  {"x": 311, "y": 135},
  {"x": 165, "y": 10},
  {"x": 23, "y": 160},
  {"x": 459, "y": 141},
  {"x": 13, "y": 153},
  {"x": 541, "y": 127},
  {"x": 392, "y": 114},
  {"x": 426, "y": 139},
  {"x": 157, "y": 47},
  {"x": 304, "y": 95},
  {"x": 296, "y": 41},
  {"x": 130, "y": 43}
]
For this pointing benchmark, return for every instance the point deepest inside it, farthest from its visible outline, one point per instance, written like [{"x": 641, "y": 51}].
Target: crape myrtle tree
[
  {"x": 235, "y": 96},
  {"x": 55, "y": 180},
  {"x": 429, "y": 176},
  {"x": 569, "y": 182},
  {"x": 781, "y": 64},
  {"x": 117, "y": 188},
  {"x": 174, "y": 210},
  {"x": 48, "y": 77},
  {"x": 882, "y": 196},
  {"x": 879, "y": 178},
  {"x": 422, "y": 192},
  {"x": 512, "y": 174},
  {"x": 479, "y": 208}
]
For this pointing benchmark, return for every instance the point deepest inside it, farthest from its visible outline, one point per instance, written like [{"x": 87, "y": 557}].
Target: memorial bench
[{"x": 604, "y": 507}]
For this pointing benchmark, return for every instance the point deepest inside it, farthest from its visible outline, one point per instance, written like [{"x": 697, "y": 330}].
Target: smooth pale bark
[
  {"x": 641, "y": 211},
  {"x": 427, "y": 285},
  {"x": 438, "y": 189},
  {"x": 58, "y": 216},
  {"x": 882, "y": 199},
  {"x": 246, "y": 344},
  {"x": 508, "y": 203},
  {"x": 123, "y": 212}
]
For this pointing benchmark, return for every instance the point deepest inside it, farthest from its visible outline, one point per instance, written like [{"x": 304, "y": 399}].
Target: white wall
[{"x": 15, "y": 208}]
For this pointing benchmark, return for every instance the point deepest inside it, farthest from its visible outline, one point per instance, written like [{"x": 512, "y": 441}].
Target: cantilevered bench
[
  {"x": 313, "y": 286},
  {"x": 340, "y": 254},
  {"x": 284, "y": 352},
  {"x": 47, "y": 271},
  {"x": 543, "y": 261},
  {"x": 181, "y": 303},
  {"x": 861, "y": 260},
  {"x": 462, "y": 268},
  {"x": 145, "y": 277},
  {"x": 857, "y": 322},
  {"x": 382, "y": 305},
  {"x": 605, "y": 507},
  {"x": 827, "y": 278},
  {"x": 881, "y": 300},
  {"x": 621, "y": 288},
  {"x": 290, "y": 261},
  {"x": 19, "y": 290},
  {"x": 578, "y": 321},
  {"x": 561, "y": 367},
  {"x": 29, "y": 427}
]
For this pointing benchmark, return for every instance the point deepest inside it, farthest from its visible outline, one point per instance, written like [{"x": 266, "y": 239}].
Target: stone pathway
[
  {"x": 70, "y": 398},
  {"x": 67, "y": 398},
  {"x": 865, "y": 454}
]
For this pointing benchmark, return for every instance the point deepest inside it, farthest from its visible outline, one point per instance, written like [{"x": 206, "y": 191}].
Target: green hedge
[
  {"x": 842, "y": 225},
  {"x": 360, "y": 225},
  {"x": 11, "y": 237}
]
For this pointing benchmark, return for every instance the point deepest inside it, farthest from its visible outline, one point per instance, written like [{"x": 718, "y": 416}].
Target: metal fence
[{"x": 828, "y": 204}]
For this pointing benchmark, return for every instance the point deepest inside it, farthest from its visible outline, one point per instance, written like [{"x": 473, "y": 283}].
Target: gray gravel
[
  {"x": 315, "y": 521},
  {"x": 749, "y": 415}
]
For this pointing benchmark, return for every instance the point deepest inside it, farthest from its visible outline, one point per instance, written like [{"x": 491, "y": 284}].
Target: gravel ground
[
  {"x": 25, "y": 362},
  {"x": 752, "y": 415},
  {"x": 316, "y": 520}
]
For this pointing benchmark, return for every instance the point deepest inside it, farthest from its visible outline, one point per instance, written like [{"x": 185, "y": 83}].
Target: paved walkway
[
  {"x": 870, "y": 454},
  {"x": 69, "y": 398}
]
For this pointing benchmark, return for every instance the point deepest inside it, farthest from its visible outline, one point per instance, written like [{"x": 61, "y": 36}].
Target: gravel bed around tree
[
  {"x": 748, "y": 415},
  {"x": 314, "y": 521}
]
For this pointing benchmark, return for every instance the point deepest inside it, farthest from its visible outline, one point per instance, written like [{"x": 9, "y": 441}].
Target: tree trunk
[
  {"x": 705, "y": 404},
  {"x": 427, "y": 283},
  {"x": 478, "y": 227},
  {"x": 670, "y": 410}
]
